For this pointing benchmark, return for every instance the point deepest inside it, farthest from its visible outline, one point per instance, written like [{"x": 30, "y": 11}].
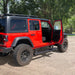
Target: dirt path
[{"x": 53, "y": 63}]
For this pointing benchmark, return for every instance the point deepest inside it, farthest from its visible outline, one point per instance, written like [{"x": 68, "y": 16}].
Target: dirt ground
[{"x": 53, "y": 63}]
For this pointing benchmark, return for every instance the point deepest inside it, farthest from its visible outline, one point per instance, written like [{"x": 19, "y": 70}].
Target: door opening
[
  {"x": 46, "y": 31},
  {"x": 57, "y": 32}
]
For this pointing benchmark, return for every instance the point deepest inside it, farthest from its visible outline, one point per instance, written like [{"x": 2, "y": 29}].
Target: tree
[
  {"x": 50, "y": 9},
  {"x": 4, "y": 4},
  {"x": 27, "y": 7}
]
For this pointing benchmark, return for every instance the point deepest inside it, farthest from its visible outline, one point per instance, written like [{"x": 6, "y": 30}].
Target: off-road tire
[
  {"x": 63, "y": 47},
  {"x": 17, "y": 54}
]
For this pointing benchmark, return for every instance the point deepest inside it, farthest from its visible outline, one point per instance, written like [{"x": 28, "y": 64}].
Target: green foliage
[
  {"x": 3, "y": 5},
  {"x": 27, "y": 7},
  {"x": 50, "y": 9}
]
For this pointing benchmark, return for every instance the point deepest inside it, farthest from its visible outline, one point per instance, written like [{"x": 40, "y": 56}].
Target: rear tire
[
  {"x": 23, "y": 54},
  {"x": 63, "y": 47}
]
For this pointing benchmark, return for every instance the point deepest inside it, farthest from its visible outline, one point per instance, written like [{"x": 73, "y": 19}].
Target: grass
[
  {"x": 70, "y": 35},
  {"x": 73, "y": 32}
]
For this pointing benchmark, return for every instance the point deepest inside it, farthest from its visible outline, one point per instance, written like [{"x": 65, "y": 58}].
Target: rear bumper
[{"x": 5, "y": 50}]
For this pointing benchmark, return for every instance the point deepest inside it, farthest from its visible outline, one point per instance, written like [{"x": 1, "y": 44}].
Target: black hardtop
[{"x": 23, "y": 16}]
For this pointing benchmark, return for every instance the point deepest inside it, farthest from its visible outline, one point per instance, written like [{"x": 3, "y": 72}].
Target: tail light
[{"x": 5, "y": 37}]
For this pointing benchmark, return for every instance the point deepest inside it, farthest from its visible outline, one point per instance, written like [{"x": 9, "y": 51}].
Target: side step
[{"x": 41, "y": 52}]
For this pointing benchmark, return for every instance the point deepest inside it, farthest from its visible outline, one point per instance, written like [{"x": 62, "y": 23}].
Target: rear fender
[{"x": 21, "y": 38}]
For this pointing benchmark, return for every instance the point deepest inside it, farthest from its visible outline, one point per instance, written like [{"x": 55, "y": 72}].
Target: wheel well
[{"x": 24, "y": 41}]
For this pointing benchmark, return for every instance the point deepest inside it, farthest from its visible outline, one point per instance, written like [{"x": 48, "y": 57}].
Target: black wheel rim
[
  {"x": 65, "y": 44},
  {"x": 24, "y": 55}
]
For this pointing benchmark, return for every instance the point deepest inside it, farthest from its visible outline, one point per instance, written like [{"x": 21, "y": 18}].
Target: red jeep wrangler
[{"x": 25, "y": 36}]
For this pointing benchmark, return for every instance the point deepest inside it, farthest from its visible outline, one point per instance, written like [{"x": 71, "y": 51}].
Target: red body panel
[
  {"x": 36, "y": 40},
  {"x": 61, "y": 33}
]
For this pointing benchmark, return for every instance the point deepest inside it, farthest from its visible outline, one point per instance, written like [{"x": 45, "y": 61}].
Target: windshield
[{"x": 2, "y": 24}]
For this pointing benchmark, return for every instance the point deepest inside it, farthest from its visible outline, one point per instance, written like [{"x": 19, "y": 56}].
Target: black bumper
[{"x": 5, "y": 50}]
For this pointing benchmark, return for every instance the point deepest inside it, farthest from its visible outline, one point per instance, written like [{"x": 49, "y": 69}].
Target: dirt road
[{"x": 53, "y": 63}]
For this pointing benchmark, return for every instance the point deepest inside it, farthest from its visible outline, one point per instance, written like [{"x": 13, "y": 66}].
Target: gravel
[{"x": 52, "y": 63}]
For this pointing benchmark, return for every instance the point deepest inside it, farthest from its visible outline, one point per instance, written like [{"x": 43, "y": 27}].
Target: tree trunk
[
  {"x": 5, "y": 2},
  {"x": 71, "y": 30}
]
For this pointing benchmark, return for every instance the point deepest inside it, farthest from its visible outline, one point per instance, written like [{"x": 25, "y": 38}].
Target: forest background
[{"x": 49, "y": 9}]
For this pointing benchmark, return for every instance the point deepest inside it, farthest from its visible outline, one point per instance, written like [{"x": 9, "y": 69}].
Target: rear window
[
  {"x": 18, "y": 25},
  {"x": 2, "y": 24}
]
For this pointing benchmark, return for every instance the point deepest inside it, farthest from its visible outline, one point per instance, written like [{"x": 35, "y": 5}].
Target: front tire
[
  {"x": 63, "y": 47},
  {"x": 23, "y": 54}
]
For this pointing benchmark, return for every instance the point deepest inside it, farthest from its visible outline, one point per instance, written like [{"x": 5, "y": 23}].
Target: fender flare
[{"x": 21, "y": 38}]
